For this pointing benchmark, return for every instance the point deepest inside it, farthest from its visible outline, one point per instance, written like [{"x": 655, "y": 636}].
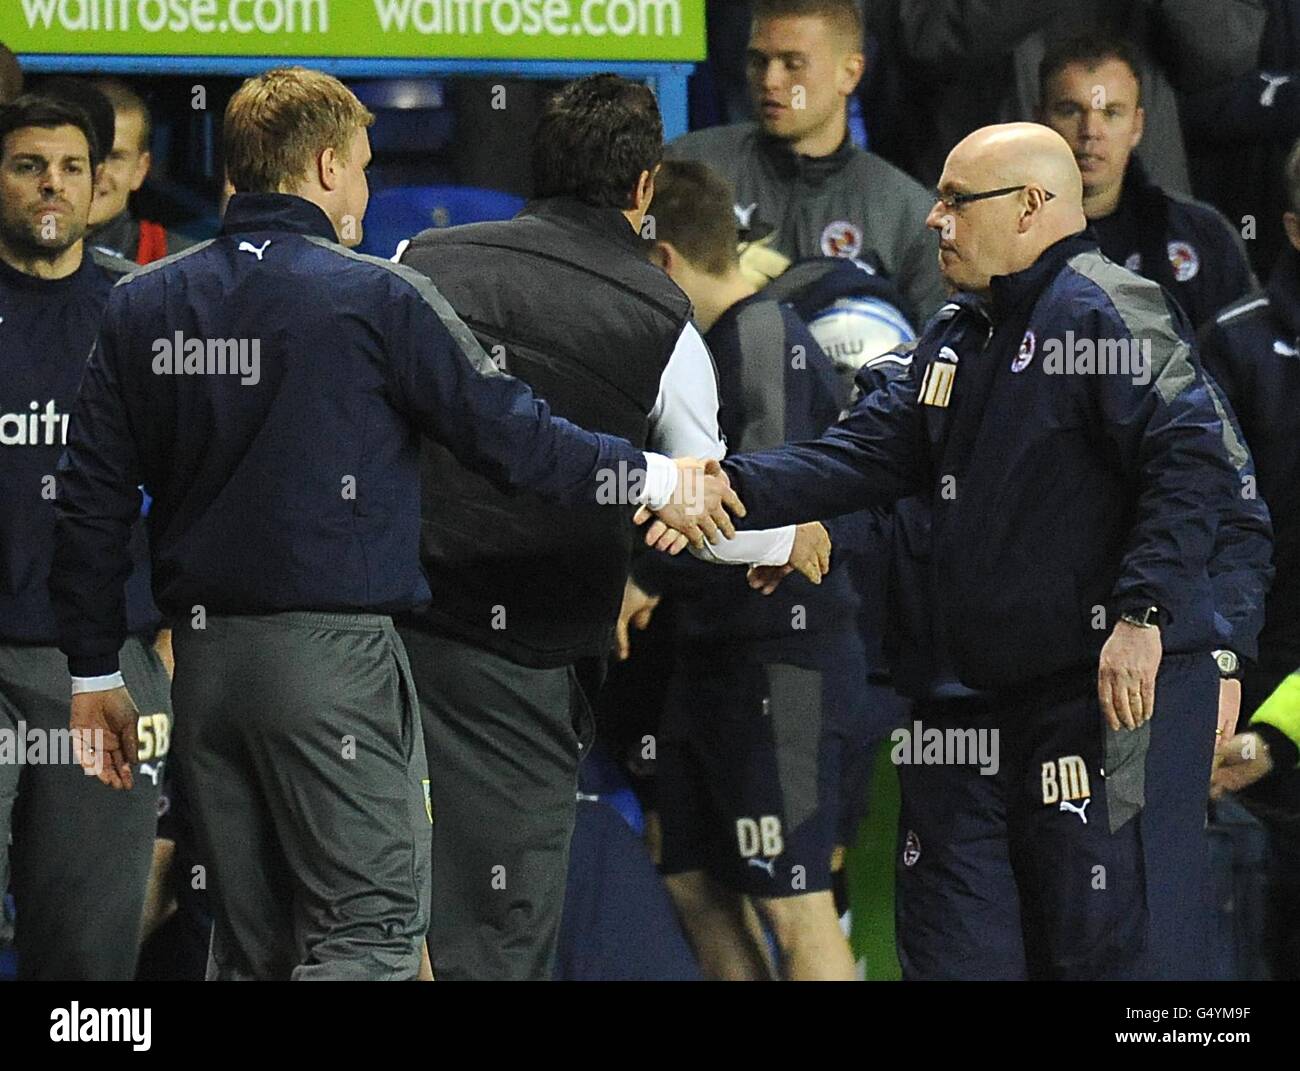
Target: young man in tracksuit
[
  {"x": 268, "y": 390},
  {"x": 79, "y": 861},
  {"x": 1252, "y": 348},
  {"x": 1092, "y": 97},
  {"x": 796, "y": 169},
  {"x": 763, "y": 715},
  {"x": 511, "y": 652},
  {"x": 1075, "y": 493}
]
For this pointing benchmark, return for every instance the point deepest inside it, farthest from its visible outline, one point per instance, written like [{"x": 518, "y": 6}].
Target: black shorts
[{"x": 751, "y": 767}]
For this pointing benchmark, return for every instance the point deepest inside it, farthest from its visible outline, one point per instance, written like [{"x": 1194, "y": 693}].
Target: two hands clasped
[{"x": 698, "y": 511}]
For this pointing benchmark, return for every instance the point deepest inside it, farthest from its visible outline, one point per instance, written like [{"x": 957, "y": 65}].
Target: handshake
[{"x": 698, "y": 510}]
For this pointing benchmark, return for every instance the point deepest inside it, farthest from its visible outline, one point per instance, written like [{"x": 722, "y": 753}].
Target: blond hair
[{"x": 277, "y": 123}]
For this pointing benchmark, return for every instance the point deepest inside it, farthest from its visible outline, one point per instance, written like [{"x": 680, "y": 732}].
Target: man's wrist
[
  {"x": 661, "y": 478},
  {"x": 1145, "y": 616},
  {"x": 1228, "y": 663},
  {"x": 104, "y": 683}
]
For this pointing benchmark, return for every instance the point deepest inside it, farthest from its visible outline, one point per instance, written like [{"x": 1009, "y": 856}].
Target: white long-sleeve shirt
[{"x": 684, "y": 423}]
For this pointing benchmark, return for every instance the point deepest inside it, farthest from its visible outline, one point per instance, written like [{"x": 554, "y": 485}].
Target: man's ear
[
  {"x": 327, "y": 168},
  {"x": 1292, "y": 224},
  {"x": 663, "y": 256},
  {"x": 852, "y": 66},
  {"x": 1139, "y": 124},
  {"x": 645, "y": 191},
  {"x": 142, "y": 167},
  {"x": 1033, "y": 203}
]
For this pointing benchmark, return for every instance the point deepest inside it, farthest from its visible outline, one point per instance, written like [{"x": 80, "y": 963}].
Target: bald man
[{"x": 1076, "y": 464}]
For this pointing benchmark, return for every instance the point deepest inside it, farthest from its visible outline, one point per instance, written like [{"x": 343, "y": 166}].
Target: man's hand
[
  {"x": 659, "y": 535},
  {"x": 1229, "y": 708},
  {"x": 699, "y": 505},
  {"x": 810, "y": 555},
  {"x": 636, "y": 610},
  {"x": 1126, "y": 675},
  {"x": 811, "y": 552},
  {"x": 104, "y": 735},
  {"x": 767, "y": 578},
  {"x": 1240, "y": 762}
]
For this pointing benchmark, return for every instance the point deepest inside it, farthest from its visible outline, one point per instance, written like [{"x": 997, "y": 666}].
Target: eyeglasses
[{"x": 957, "y": 200}]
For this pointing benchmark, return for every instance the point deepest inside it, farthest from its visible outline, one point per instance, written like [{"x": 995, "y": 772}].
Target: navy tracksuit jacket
[
  {"x": 1253, "y": 350},
  {"x": 292, "y": 483},
  {"x": 1053, "y": 491}
]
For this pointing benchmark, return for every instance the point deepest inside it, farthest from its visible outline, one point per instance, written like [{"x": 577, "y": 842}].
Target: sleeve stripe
[
  {"x": 761, "y": 331},
  {"x": 1140, "y": 305},
  {"x": 1233, "y": 313}
]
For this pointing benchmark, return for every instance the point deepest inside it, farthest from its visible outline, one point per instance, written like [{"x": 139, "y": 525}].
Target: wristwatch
[
  {"x": 1229, "y": 664},
  {"x": 1145, "y": 618}
]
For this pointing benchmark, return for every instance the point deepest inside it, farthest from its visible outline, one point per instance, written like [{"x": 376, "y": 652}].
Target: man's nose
[
  {"x": 772, "y": 76},
  {"x": 1093, "y": 125},
  {"x": 937, "y": 216}
]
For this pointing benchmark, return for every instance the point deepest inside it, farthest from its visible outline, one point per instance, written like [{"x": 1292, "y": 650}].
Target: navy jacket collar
[
  {"x": 276, "y": 212},
  {"x": 1009, "y": 292}
]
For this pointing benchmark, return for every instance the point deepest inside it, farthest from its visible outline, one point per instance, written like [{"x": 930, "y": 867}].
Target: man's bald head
[
  {"x": 1014, "y": 154},
  {"x": 1037, "y": 200}
]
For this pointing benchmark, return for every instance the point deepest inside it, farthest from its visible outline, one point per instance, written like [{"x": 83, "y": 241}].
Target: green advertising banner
[{"x": 611, "y": 30}]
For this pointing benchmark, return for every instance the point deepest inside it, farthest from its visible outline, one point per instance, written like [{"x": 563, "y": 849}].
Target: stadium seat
[
  {"x": 403, "y": 211},
  {"x": 411, "y": 115}
]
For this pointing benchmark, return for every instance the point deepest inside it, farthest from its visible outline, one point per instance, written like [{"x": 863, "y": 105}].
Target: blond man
[{"x": 268, "y": 390}]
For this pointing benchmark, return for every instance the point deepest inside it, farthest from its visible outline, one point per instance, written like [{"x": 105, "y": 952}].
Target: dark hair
[
  {"x": 594, "y": 139},
  {"x": 1091, "y": 50},
  {"x": 33, "y": 109},
  {"x": 693, "y": 209},
  {"x": 98, "y": 108},
  {"x": 11, "y": 76},
  {"x": 125, "y": 99},
  {"x": 844, "y": 15}
]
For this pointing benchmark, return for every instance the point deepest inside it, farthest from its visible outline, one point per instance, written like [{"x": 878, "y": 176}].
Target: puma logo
[
  {"x": 150, "y": 770},
  {"x": 249, "y": 247},
  {"x": 1066, "y": 805},
  {"x": 765, "y": 864},
  {"x": 1275, "y": 82},
  {"x": 744, "y": 215}
]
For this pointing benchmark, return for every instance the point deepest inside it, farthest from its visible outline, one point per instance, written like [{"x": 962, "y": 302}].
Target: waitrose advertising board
[{"x": 613, "y": 30}]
